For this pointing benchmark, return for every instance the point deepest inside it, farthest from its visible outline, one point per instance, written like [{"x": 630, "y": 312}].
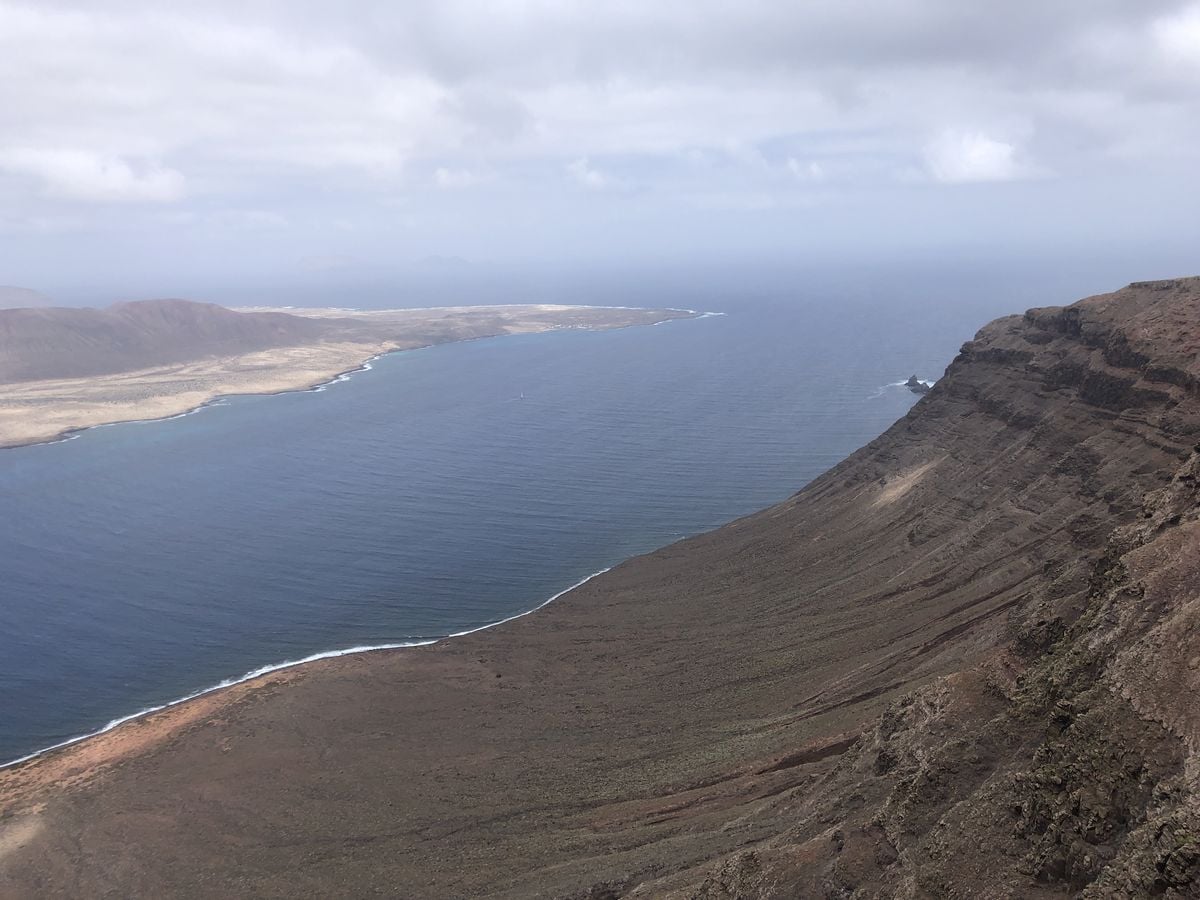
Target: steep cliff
[
  {"x": 1063, "y": 757},
  {"x": 961, "y": 663}
]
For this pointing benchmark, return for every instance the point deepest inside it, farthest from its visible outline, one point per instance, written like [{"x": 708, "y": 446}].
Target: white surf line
[
  {"x": 401, "y": 309},
  {"x": 879, "y": 392},
  {"x": 289, "y": 664},
  {"x": 256, "y": 673},
  {"x": 340, "y": 377},
  {"x": 694, "y": 313},
  {"x": 527, "y": 612}
]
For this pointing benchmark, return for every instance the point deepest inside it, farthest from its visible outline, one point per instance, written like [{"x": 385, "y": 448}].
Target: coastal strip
[
  {"x": 53, "y": 409},
  {"x": 271, "y": 668},
  {"x": 216, "y": 400}
]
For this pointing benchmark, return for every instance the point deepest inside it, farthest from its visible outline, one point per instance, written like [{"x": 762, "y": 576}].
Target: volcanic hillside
[{"x": 61, "y": 342}]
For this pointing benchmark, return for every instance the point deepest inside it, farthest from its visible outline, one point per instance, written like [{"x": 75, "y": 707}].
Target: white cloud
[
  {"x": 811, "y": 171},
  {"x": 247, "y": 219},
  {"x": 85, "y": 176},
  {"x": 208, "y": 92},
  {"x": 316, "y": 114},
  {"x": 455, "y": 178},
  {"x": 11, "y": 223},
  {"x": 327, "y": 262},
  {"x": 964, "y": 156},
  {"x": 586, "y": 175},
  {"x": 232, "y": 93},
  {"x": 1178, "y": 36}
]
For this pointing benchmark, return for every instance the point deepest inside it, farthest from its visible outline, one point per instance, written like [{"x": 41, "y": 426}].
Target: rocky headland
[{"x": 962, "y": 663}]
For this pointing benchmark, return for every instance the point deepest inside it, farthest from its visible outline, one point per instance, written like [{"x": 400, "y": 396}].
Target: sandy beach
[{"x": 48, "y": 409}]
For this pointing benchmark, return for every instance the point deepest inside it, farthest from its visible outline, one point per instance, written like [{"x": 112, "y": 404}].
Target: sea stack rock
[{"x": 917, "y": 386}]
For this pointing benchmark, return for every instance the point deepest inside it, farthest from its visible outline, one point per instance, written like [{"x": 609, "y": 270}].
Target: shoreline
[
  {"x": 271, "y": 668},
  {"x": 325, "y": 379},
  {"x": 267, "y": 669},
  {"x": 216, "y": 400}
]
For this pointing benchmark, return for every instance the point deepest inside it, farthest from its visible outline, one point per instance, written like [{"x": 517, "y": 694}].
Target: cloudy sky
[{"x": 156, "y": 141}]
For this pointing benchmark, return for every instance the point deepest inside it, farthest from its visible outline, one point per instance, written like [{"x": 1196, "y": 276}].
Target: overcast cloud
[{"x": 264, "y": 136}]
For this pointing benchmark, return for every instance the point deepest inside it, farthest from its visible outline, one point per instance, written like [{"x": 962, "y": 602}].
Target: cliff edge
[{"x": 1062, "y": 759}]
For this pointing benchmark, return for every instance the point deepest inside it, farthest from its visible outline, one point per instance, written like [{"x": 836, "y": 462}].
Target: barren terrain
[{"x": 110, "y": 382}]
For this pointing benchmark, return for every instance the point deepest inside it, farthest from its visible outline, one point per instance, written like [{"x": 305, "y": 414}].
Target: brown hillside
[{"x": 57, "y": 342}]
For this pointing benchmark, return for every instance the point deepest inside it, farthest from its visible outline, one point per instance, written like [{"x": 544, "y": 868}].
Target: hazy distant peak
[
  {"x": 166, "y": 304},
  {"x": 22, "y": 298},
  {"x": 160, "y": 301},
  {"x": 444, "y": 263}
]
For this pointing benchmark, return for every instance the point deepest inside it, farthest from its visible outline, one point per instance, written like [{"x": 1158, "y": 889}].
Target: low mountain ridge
[{"x": 60, "y": 342}]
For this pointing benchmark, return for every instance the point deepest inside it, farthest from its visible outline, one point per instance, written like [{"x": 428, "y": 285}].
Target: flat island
[{"x": 174, "y": 355}]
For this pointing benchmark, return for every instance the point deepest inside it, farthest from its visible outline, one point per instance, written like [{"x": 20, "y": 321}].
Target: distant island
[{"x": 65, "y": 369}]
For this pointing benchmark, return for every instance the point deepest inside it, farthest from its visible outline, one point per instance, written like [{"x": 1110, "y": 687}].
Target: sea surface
[{"x": 440, "y": 491}]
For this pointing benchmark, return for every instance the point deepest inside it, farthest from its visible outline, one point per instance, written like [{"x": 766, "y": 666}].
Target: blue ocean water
[{"x": 443, "y": 490}]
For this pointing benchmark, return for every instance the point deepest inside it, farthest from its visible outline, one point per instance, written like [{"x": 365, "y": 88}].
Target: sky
[{"x": 158, "y": 147}]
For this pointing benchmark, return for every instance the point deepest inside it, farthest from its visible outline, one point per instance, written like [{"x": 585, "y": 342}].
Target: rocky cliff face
[
  {"x": 1062, "y": 758},
  {"x": 962, "y": 663}
]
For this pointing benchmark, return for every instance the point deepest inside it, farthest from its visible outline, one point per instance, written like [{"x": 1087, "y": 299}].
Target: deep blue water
[{"x": 445, "y": 489}]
